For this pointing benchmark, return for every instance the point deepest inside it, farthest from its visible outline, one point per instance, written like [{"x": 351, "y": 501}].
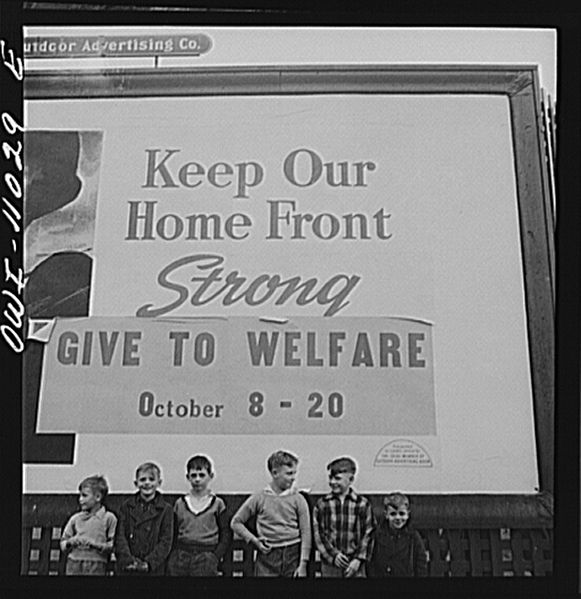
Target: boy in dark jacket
[
  {"x": 145, "y": 529},
  {"x": 399, "y": 549}
]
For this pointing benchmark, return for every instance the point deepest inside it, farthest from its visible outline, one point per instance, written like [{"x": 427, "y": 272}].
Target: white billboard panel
[{"x": 315, "y": 212}]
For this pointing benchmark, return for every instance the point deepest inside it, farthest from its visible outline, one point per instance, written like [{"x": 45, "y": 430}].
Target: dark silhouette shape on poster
[{"x": 61, "y": 184}]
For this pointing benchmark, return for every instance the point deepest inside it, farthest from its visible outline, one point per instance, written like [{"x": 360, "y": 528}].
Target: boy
[
  {"x": 145, "y": 529},
  {"x": 399, "y": 549},
  {"x": 89, "y": 534},
  {"x": 202, "y": 534},
  {"x": 283, "y": 521},
  {"x": 343, "y": 524}
]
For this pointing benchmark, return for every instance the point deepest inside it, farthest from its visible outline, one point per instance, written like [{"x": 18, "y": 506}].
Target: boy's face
[
  {"x": 88, "y": 500},
  {"x": 340, "y": 482},
  {"x": 147, "y": 482},
  {"x": 397, "y": 516},
  {"x": 199, "y": 479},
  {"x": 284, "y": 477}
]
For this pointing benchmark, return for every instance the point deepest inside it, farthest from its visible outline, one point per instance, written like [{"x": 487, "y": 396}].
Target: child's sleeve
[
  {"x": 325, "y": 546},
  {"x": 122, "y": 551},
  {"x": 304, "y": 527},
  {"x": 177, "y": 519},
  {"x": 420, "y": 558},
  {"x": 224, "y": 532},
  {"x": 110, "y": 527},
  {"x": 367, "y": 527},
  {"x": 164, "y": 542},
  {"x": 68, "y": 532},
  {"x": 375, "y": 567},
  {"x": 244, "y": 513}
]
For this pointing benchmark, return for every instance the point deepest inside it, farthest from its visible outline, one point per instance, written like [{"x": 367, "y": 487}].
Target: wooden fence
[{"x": 464, "y": 535}]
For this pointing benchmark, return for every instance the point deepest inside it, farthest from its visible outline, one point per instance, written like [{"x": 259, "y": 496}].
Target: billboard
[
  {"x": 230, "y": 250},
  {"x": 328, "y": 273}
]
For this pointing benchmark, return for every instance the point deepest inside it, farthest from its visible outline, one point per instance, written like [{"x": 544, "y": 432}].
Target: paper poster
[{"x": 309, "y": 376}]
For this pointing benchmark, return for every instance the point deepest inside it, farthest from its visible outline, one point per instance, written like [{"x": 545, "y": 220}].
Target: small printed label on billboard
[{"x": 403, "y": 452}]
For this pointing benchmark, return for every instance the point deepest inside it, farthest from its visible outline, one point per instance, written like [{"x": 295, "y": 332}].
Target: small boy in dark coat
[
  {"x": 399, "y": 549},
  {"x": 145, "y": 529}
]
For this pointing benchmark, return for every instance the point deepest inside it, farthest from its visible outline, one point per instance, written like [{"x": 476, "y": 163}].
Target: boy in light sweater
[
  {"x": 283, "y": 522},
  {"x": 89, "y": 535}
]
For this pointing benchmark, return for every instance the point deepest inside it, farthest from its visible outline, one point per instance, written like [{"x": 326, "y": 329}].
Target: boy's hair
[
  {"x": 97, "y": 484},
  {"x": 344, "y": 464},
  {"x": 279, "y": 459},
  {"x": 396, "y": 500},
  {"x": 148, "y": 467},
  {"x": 199, "y": 462}
]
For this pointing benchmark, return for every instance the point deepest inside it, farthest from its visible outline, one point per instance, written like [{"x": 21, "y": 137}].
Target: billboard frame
[{"x": 518, "y": 83}]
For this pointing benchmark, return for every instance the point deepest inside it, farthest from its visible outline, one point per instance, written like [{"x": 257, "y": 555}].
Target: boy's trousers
[
  {"x": 279, "y": 561},
  {"x": 85, "y": 567},
  {"x": 193, "y": 561}
]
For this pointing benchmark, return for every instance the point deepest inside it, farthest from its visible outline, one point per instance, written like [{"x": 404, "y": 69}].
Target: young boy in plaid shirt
[{"x": 343, "y": 524}]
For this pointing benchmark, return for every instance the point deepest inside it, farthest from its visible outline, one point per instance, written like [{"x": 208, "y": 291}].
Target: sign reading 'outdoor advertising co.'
[{"x": 95, "y": 46}]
